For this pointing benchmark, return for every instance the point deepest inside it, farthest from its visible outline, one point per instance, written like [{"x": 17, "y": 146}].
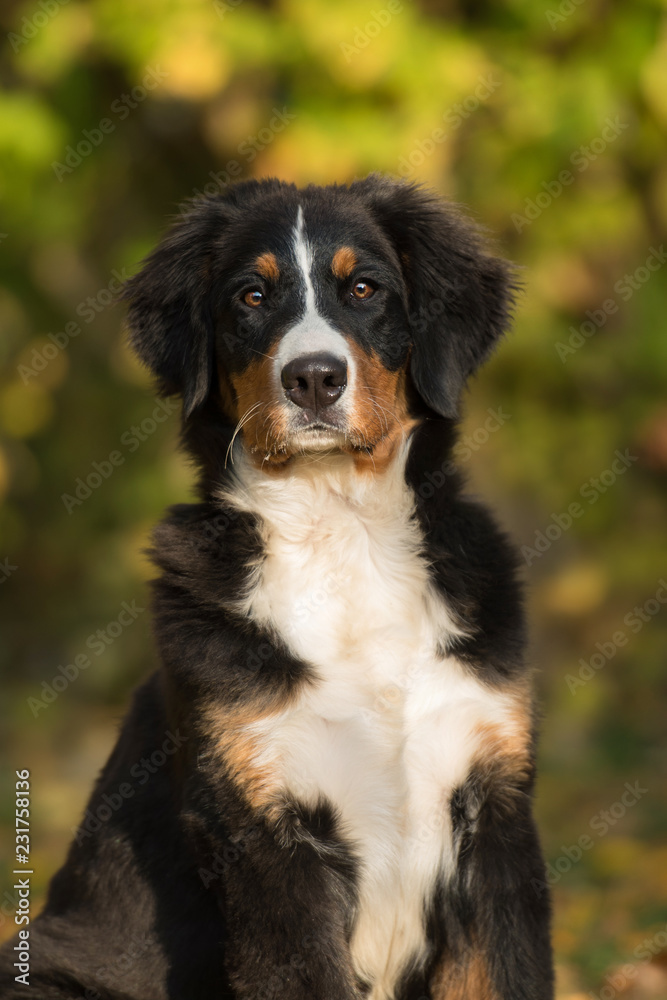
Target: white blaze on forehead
[
  {"x": 304, "y": 258},
  {"x": 312, "y": 333}
]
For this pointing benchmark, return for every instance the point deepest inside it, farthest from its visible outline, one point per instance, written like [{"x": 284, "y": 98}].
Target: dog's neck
[
  {"x": 327, "y": 528},
  {"x": 419, "y": 459},
  {"x": 293, "y": 494}
]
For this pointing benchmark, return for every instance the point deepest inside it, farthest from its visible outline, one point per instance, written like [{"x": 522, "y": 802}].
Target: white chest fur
[{"x": 392, "y": 725}]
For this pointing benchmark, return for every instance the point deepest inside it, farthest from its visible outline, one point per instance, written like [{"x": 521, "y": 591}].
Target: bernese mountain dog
[{"x": 344, "y": 807}]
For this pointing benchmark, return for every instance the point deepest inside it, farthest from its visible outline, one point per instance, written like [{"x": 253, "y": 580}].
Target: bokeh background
[{"x": 548, "y": 119}]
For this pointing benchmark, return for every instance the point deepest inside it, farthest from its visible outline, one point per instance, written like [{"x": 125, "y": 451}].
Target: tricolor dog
[{"x": 347, "y": 809}]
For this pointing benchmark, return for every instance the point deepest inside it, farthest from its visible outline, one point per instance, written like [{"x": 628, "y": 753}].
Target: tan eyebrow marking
[
  {"x": 343, "y": 262},
  {"x": 267, "y": 265}
]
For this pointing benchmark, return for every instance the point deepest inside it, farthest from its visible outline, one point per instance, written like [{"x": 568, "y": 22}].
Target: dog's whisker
[
  {"x": 381, "y": 411},
  {"x": 244, "y": 419},
  {"x": 376, "y": 406}
]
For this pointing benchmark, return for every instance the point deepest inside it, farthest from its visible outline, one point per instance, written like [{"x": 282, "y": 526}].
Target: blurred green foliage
[{"x": 548, "y": 119}]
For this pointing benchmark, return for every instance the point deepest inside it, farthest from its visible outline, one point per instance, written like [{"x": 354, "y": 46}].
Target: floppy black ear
[
  {"x": 169, "y": 317},
  {"x": 460, "y": 296}
]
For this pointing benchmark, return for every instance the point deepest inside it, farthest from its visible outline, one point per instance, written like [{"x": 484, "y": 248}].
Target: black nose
[{"x": 314, "y": 381}]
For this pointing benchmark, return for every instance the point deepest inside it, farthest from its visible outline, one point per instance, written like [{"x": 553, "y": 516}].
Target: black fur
[
  {"x": 185, "y": 892},
  {"x": 459, "y": 296}
]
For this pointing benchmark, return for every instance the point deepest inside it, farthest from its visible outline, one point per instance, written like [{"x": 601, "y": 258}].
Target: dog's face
[
  {"x": 323, "y": 318},
  {"x": 312, "y": 335}
]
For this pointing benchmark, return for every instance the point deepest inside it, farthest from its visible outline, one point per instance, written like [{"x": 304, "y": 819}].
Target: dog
[{"x": 344, "y": 809}]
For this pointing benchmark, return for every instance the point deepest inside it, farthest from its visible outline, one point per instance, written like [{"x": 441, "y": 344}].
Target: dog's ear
[
  {"x": 460, "y": 296},
  {"x": 169, "y": 317}
]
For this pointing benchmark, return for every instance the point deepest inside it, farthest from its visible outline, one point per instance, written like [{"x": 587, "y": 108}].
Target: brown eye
[
  {"x": 253, "y": 298},
  {"x": 363, "y": 290}
]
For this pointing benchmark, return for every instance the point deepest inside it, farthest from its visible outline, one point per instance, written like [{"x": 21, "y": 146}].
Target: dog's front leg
[
  {"x": 495, "y": 908},
  {"x": 286, "y": 888},
  {"x": 288, "y": 916}
]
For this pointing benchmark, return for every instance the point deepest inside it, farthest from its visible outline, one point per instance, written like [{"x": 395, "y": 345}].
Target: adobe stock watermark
[
  {"x": 564, "y": 10},
  {"x": 453, "y": 118},
  {"x": 97, "y": 644},
  {"x": 304, "y": 608},
  {"x": 619, "y": 980},
  {"x": 139, "y": 774},
  {"x": 235, "y": 847},
  {"x": 7, "y": 569},
  {"x": 131, "y": 440},
  {"x": 591, "y": 491},
  {"x": 255, "y": 657},
  {"x": 365, "y": 34},
  {"x": 120, "y": 108},
  {"x": 599, "y": 825},
  {"x": 312, "y": 602},
  {"x": 206, "y": 533},
  {"x": 107, "y": 975},
  {"x": 462, "y": 452},
  {"x": 391, "y": 697},
  {"x": 87, "y": 309},
  {"x": 45, "y": 11},
  {"x": 279, "y": 980},
  {"x": 224, "y": 7},
  {"x": 8, "y": 906},
  {"x": 625, "y": 288},
  {"x": 581, "y": 159},
  {"x": 606, "y": 651},
  {"x": 248, "y": 149}
]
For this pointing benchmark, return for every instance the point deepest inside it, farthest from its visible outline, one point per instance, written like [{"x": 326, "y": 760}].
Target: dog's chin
[{"x": 316, "y": 438}]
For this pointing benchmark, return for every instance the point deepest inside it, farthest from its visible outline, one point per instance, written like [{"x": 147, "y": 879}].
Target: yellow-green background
[{"x": 559, "y": 72}]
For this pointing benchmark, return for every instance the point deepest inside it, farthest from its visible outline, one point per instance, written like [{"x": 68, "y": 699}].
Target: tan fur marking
[
  {"x": 465, "y": 979},
  {"x": 258, "y": 407},
  {"x": 267, "y": 265},
  {"x": 505, "y": 757},
  {"x": 251, "y": 766},
  {"x": 379, "y": 417},
  {"x": 343, "y": 262}
]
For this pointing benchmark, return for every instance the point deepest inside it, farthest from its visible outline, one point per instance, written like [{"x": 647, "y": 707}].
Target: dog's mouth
[
  {"x": 274, "y": 436},
  {"x": 317, "y": 436}
]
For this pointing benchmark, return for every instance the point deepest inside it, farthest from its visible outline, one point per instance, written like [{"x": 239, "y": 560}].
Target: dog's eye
[
  {"x": 254, "y": 297},
  {"x": 363, "y": 290}
]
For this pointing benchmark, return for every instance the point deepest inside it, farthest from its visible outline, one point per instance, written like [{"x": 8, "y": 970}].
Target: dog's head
[{"x": 322, "y": 318}]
